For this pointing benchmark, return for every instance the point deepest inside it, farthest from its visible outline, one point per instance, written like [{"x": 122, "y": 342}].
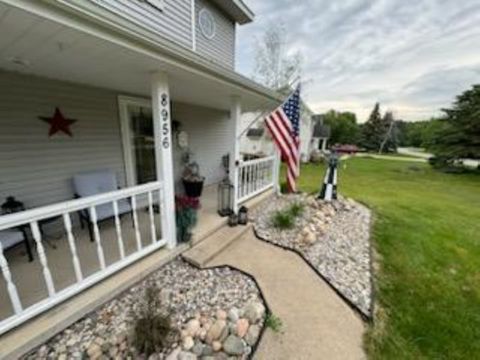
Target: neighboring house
[
  {"x": 320, "y": 135},
  {"x": 257, "y": 142},
  {"x": 96, "y": 95}
]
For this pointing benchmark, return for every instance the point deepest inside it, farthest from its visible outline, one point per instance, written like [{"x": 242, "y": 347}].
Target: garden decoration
[
  {"x": 58, "y": 123},
  {"x": 185, "y": 216},
  {"x": 12, "y": 205},
  {"x": 225, "y": 190},
  {"x": 329, "y": 188},
  {"x": 192, "y": 181},
  {"x": 243, "y": 216},
  {"x": 233, "y": 220}
]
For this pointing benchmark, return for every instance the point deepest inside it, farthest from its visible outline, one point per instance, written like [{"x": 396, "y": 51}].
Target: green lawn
[{"x": 427, "y": 232}]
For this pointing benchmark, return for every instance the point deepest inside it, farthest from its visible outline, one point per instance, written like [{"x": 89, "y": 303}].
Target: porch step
[{"x": 201, "y": 253}]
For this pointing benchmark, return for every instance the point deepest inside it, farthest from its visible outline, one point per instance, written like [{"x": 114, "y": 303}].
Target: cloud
[{"x": 412, "y": 56}]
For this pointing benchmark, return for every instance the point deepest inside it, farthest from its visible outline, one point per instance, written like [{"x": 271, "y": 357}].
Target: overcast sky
[{"x": 413, "y": 56}]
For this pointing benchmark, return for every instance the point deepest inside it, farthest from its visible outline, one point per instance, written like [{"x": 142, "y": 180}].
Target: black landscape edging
[
  {"x": 354, "y": 307},
  {"x": 268, "y": 310}
]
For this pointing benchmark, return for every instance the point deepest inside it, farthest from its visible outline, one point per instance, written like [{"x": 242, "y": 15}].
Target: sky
[{"x": 412, "y": 56}]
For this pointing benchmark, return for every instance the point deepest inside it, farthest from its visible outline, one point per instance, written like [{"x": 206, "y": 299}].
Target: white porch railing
[
  {"x": 254, "y": 177},
  {"x": 153, "y": 194}
]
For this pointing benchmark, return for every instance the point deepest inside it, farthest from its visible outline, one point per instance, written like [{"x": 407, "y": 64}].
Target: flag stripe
[
  {"x": 284, "y": 126},
  {"x": 281, "y": 134}
]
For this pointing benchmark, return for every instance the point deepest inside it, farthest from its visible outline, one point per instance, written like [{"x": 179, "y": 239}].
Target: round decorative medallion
[{"x": 207, "y": 23}]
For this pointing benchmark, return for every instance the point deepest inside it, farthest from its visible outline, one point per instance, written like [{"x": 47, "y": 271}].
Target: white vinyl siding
[
  {"x": 37, "y": 169},
  {"x": 173, "y": 22},
  {"x": 209, "y": 137},
  {"x": 221, "y": 48}
]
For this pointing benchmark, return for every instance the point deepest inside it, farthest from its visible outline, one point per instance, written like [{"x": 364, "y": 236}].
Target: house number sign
[{"x": 165, "y": 121}]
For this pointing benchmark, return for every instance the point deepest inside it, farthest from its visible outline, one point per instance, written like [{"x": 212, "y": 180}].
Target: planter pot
[{"x": 193, "y": 188}]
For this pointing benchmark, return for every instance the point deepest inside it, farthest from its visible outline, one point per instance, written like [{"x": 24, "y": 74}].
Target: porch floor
[{"x": 28, "y": 276}]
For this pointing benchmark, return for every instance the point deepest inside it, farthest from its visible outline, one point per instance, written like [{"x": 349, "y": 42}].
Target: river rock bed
[
  {"x": 216, "y": 313},
  {"x": 333, "y": 237}
]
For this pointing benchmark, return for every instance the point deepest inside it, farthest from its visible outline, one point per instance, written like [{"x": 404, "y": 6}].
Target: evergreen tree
[
  {"x": 459, "y": 136},
  {"x": 373, "y": 131}
]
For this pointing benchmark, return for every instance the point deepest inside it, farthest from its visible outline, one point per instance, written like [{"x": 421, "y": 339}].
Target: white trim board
[{"x": 128, "y": 160}]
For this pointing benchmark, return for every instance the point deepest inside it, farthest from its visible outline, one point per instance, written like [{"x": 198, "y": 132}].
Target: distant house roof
[
  {"x": 236, "y": 9},
  {"x": 255, "y": 132},
  {"x": 321, "y": 131}
]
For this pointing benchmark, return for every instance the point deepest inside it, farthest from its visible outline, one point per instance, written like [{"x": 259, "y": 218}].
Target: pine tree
[
  {"x": 460, "y": 135},
  {"x": 373, "y": 131}
]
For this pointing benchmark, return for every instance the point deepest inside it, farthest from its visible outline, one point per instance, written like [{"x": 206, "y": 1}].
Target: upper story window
[{"x": 206, "y": 22}]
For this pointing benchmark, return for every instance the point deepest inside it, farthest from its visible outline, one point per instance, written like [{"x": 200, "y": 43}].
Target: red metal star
[{"x": 58, "y": 123}]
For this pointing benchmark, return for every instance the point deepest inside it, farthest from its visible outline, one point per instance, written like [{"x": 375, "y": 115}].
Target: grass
[
  {"x": 273, "y": 322},
  {"x": 427, "y": 235},
  {"x": 285, "y": 219}
]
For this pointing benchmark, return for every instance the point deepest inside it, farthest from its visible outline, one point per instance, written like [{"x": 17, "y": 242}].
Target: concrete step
[{"x": 201, "y": 253}]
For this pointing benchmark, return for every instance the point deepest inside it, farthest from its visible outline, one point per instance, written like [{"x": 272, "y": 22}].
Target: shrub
[
  {"x": 296, "y": 209},
  {"x": 153, "y": 328},
  {"x": 273, "y": 322},
  {"x": 283, "y": 220}
]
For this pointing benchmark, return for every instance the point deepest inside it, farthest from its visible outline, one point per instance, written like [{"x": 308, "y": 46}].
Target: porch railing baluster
[
  {"x": 96, "y": 236},
  {"x": 67, "y": 222},
  {"x": 37, "y": 236},
  {"x": 138, "y": 237},
  {"x": 25, "y": 309},
  {"x": 11, "y": 288},
  {"x": 152, "y": 218},
  {"x": 118, "y": 227},
  {"x": 255, "y": 176}
]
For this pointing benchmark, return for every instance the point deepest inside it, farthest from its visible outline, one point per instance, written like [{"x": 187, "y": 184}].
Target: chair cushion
[
  {"x": 105, "y": 211},
  {"x": 95, "y": 183},
  {"x": 9, "y": 238}
]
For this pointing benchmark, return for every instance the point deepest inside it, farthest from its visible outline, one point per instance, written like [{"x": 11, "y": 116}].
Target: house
[
  {"x": 257, "y": 141},
  {"x": 102, "y": 103},
  {"x": 320, "y": 134}
]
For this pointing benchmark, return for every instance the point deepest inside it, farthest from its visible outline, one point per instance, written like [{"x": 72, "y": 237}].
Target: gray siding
[
  {"x": 221, "y": 48},
  {"x": 209, "y": 135},
  {"x": 38, "y": 169},
  {"x": 174, "y": 22}
]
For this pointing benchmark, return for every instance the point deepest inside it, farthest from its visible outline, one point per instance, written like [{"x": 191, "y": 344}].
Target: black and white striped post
[{"x": 329, "y": 187}]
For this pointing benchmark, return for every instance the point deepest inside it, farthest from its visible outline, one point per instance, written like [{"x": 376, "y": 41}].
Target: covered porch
[{"x": 93, "y": 77}]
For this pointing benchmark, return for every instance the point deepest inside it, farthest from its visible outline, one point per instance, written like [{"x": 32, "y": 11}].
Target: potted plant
[
  {"x": 192, "y": 181},
  {"x": 186, "y": 216}
]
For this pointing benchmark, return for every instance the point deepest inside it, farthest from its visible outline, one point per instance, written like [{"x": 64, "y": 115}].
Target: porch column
[
  {"x": 161, "y": 110},
  {"x": 235, "y": 119},
  {"x": 276, "y": 171}
]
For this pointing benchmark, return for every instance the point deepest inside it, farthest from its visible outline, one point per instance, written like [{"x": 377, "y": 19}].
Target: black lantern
[
  {"x": 233, "y": 219},
  {"x": 225, "y": 198},
  {"x": 12, "y": 206},
  {"x": 243, "y": 215}
]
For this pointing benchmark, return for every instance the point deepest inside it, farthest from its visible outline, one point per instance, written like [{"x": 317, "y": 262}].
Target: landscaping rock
[
  {"x": 254, "y": 312},
  {"x": 242, "y": 327},
  {"x": 333, "y": 237},
  {"x": 252, "y": 334},
  {"x": 233, "y": 345},
  {"x": 215, "y": 331},
  {"x": 233, "y": 315},
  {"x": 200, "y": 303},
  {"x": 188, "y": 343}
]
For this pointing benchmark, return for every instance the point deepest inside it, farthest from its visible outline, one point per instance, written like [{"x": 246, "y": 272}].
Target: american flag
[{"x": 284, "y": 125}]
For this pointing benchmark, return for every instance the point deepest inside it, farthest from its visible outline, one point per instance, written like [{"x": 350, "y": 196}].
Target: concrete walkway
[{"x": 317, "y": 324}]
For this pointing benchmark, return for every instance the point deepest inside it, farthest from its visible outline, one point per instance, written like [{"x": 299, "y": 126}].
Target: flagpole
[{"x": 262, "y": 115}]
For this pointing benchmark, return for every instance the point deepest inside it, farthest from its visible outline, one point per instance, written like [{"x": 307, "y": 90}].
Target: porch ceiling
[{"x": 35, "y": 45}]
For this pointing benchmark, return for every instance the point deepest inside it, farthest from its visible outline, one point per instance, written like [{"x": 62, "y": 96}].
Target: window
[{"x": 206, "y": 22}]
